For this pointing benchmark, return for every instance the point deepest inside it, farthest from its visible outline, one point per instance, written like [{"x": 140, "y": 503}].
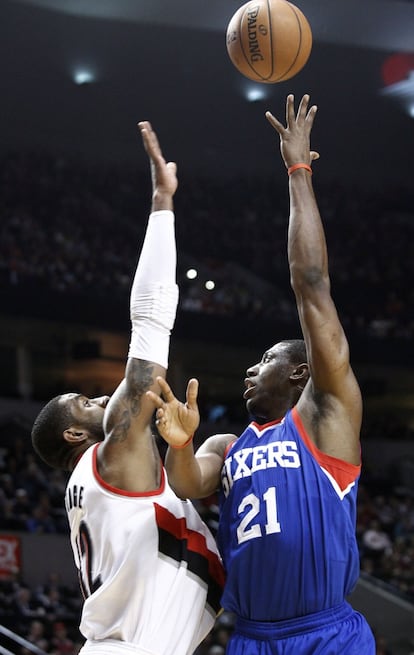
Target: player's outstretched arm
[
  {"x": 191, "y": 475},
  {"x": 331, "y": 403},
  {"x": 129, "y": 456}
]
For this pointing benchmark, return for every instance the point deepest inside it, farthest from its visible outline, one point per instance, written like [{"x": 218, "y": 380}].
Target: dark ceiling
[{"x": 166, "y": 61}]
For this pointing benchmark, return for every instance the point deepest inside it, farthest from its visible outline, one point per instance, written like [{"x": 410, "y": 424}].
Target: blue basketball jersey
[{"x": 287, "y": 524}]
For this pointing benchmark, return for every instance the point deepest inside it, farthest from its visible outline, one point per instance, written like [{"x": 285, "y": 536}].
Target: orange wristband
[
  {"x": 183, "y": 445},
  {"x": 295, "y": 167}
]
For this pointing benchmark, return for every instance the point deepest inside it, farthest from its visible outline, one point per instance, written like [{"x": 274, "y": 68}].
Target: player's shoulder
[{"x": 217, "y": 444}]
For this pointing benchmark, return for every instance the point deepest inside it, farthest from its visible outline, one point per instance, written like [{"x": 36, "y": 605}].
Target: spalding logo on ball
[{"x": 269, "y": 40}]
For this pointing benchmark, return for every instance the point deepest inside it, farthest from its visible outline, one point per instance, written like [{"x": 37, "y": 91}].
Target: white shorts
[{"x": 112, "y": 647}]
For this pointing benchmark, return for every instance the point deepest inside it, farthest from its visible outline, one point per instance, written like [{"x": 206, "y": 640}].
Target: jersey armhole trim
[
  {"x": 228, "y": 447},
  {"x": 342, "y": 472},
  {"x": 123, "y": 492}
]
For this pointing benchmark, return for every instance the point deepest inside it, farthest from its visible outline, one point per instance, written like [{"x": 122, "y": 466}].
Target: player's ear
[
  {"x": 75, "y": 435},
  {"x": 300, "y": 374}
]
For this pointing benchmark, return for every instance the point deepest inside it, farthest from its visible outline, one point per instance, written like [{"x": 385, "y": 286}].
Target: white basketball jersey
[{"x": 148, "y": 566}]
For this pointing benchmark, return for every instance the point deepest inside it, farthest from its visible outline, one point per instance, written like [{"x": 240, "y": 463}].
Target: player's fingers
[
  {"x": 274, "y": 122},
  {"x": 156, "y": 400},
  {"x": 172, "y": 166},
  {"x": 192, "y": 393},
  {"x": 150, "y": 139},
  {"x": 166, "y": 390},
  {"x": 290, "y": 109},
  {"x": 161, "y": 424},
  {"x": 145, "y": 129},
  {"x": 310, "y": 117},
  {"x": 146, "y": 138},
  {"x": 160, "y": 415},
  {"x": 144, "y": 125},
  {"x": 303, "y": 107},
  {"x": 314, "y": 155}
]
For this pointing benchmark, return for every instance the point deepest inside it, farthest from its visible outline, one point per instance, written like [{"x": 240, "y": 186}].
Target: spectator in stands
[
  {"x": 24, "y": 608},
  {"x": 60, "y": 642},
  {"x": 41, "y": 521},
  {"x": 22, "y": 507},
  {"x": 36, "y": 636},
  {"x": 375, "y": 541}
]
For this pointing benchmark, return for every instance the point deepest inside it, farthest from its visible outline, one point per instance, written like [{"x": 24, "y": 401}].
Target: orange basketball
[{"x": 269, "y": 40}]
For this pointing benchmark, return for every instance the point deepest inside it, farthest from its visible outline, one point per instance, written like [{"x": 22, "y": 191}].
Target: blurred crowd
[
  {"x": 72, "y": 226},
  {"x": 47, "y": 616},
  {"x": 31, "y": 497},
  {"x": 385, "y": 531}
]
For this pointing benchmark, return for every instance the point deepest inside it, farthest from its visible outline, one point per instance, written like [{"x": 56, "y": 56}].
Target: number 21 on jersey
[{"x": 247, "y": 528}]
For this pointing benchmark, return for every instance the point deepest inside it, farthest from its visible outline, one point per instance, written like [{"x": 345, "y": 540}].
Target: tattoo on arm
[{"x": 140, "y": 378}]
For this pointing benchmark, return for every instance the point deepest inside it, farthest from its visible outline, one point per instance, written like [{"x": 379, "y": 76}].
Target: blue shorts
[{"x": 336, "y": 631}]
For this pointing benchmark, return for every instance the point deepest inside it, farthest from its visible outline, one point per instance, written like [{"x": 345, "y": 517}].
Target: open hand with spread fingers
[
  {"x": 295, "y": 137},
  {"x": 176, "y": 421}
]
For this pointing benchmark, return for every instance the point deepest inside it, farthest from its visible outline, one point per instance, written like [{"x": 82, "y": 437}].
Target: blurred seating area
[
  {"x": 47, "y": 616},
  {"x": 70, "y": 226}
]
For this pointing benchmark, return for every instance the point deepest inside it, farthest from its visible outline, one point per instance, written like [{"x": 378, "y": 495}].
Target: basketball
[{"x": 269, "y": 40}]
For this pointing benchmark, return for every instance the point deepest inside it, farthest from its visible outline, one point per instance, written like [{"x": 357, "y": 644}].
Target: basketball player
[
  {"x": 288, "y": 484},
  {"x": 149, "y": 568}
]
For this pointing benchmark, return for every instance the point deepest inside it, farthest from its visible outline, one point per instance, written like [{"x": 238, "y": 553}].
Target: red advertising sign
[{"x": 10, "y": 556}]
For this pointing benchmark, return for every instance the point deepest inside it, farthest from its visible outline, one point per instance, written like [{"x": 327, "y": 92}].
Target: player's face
[
  {"x": 267, "y": 384},
  {"x": 87, "y": 412}
]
